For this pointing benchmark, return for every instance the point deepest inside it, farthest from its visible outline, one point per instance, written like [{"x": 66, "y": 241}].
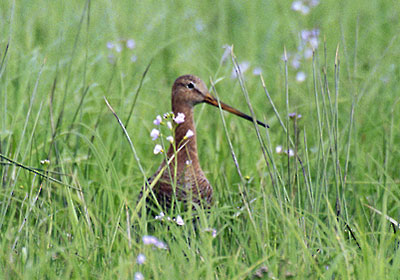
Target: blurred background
[{"x": 60, "y": 58}]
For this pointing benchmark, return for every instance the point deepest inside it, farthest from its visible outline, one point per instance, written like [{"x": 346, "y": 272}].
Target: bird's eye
[{"x": 190, "y": 85}]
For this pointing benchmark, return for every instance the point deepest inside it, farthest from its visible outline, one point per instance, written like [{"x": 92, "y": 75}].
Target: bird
[{"x": 182, "y": 178}]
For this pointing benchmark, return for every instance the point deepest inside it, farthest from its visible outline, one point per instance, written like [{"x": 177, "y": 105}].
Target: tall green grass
[{"x": 70, "y": 179}]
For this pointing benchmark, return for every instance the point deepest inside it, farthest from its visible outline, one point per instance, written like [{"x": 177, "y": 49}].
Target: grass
[{"x": 276, "y": 216}]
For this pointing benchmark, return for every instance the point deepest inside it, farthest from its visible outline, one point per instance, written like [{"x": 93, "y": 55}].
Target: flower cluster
[
  {"x": 212, "y": 230},
  {"x": 141, "y": 258},
  {"x": 180, "y": 118},
  {"x": 178, "y": 220},
  {"x": 295, "y": 116},
  {"x": 308, "y": 43},
  {"x": 279, "y": 150},
  {"x": 138, "y": 276},
  {"x": 289, "y": 152},
  {"x": 308, "y": 40},
  {"x": 171, "y": 122},
  {"x": 304, "y": 6},
  {"x": 152, "y": 240},
  {"x": 118, "y": 46},
  {"x": 244, "y": 65}
]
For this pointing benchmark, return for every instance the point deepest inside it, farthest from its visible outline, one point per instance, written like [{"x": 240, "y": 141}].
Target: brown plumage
[{"x": 191, "y": 183}]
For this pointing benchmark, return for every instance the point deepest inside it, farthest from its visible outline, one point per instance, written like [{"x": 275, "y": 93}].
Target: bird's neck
[{"x": 187, "y": 146}]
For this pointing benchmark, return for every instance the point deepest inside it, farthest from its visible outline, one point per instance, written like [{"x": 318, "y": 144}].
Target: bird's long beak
[{"x": 213, "y": 101}]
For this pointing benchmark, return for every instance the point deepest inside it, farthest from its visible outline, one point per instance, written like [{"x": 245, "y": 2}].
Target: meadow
[{"x": 315, "y": 196}]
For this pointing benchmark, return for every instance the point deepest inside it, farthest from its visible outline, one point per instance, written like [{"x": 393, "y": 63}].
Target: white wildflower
[
  {"x": 296, "y": 62},
  {"x": 161, "y": 245},
  {"x": 152, "y": 240},
  {"x": 289, "y": 152},
  {"x": 243, "y": 66},
  {"x": 130, "y": 43},
  {"x": 160, "y": 216},
  {"x": 138, "y": 276},
  {"x": 313, "y": 42},
  {"x": 297, "y": 5},
  {"x": 305, "y": 10},
  {"x": 212, "y": 230},
  {"x": 308, "y": 53},
  {"x": 154, "y": 134},
  {"x": 257, "y": 71},
  {"x": 45, "y": 162},
  {"x": 169, "y": 125},
  {"x": 305, "y": 34},
  {"x": 110, "y": 45},
  {"x": 300, "y": 76},
  {"x": 180, "y": 118},
  {"x": 141, "y": 258},
  {"x": 295, "y": 116},
  {"x": 158, "y": 149},
  {"x": 227, "y": 52},
  {"x": 189, "y": 134},
  {"x": 149, "y": 240},
  {"x": 158, "y": 120},
  {"x": 179, "y": 221}
]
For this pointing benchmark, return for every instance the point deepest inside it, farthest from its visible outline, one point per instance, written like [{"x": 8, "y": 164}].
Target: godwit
[{"x": 189, "y": 183}]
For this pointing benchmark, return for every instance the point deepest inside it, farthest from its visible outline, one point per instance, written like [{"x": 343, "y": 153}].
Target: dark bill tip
[{"x": 213, "y": 101}]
